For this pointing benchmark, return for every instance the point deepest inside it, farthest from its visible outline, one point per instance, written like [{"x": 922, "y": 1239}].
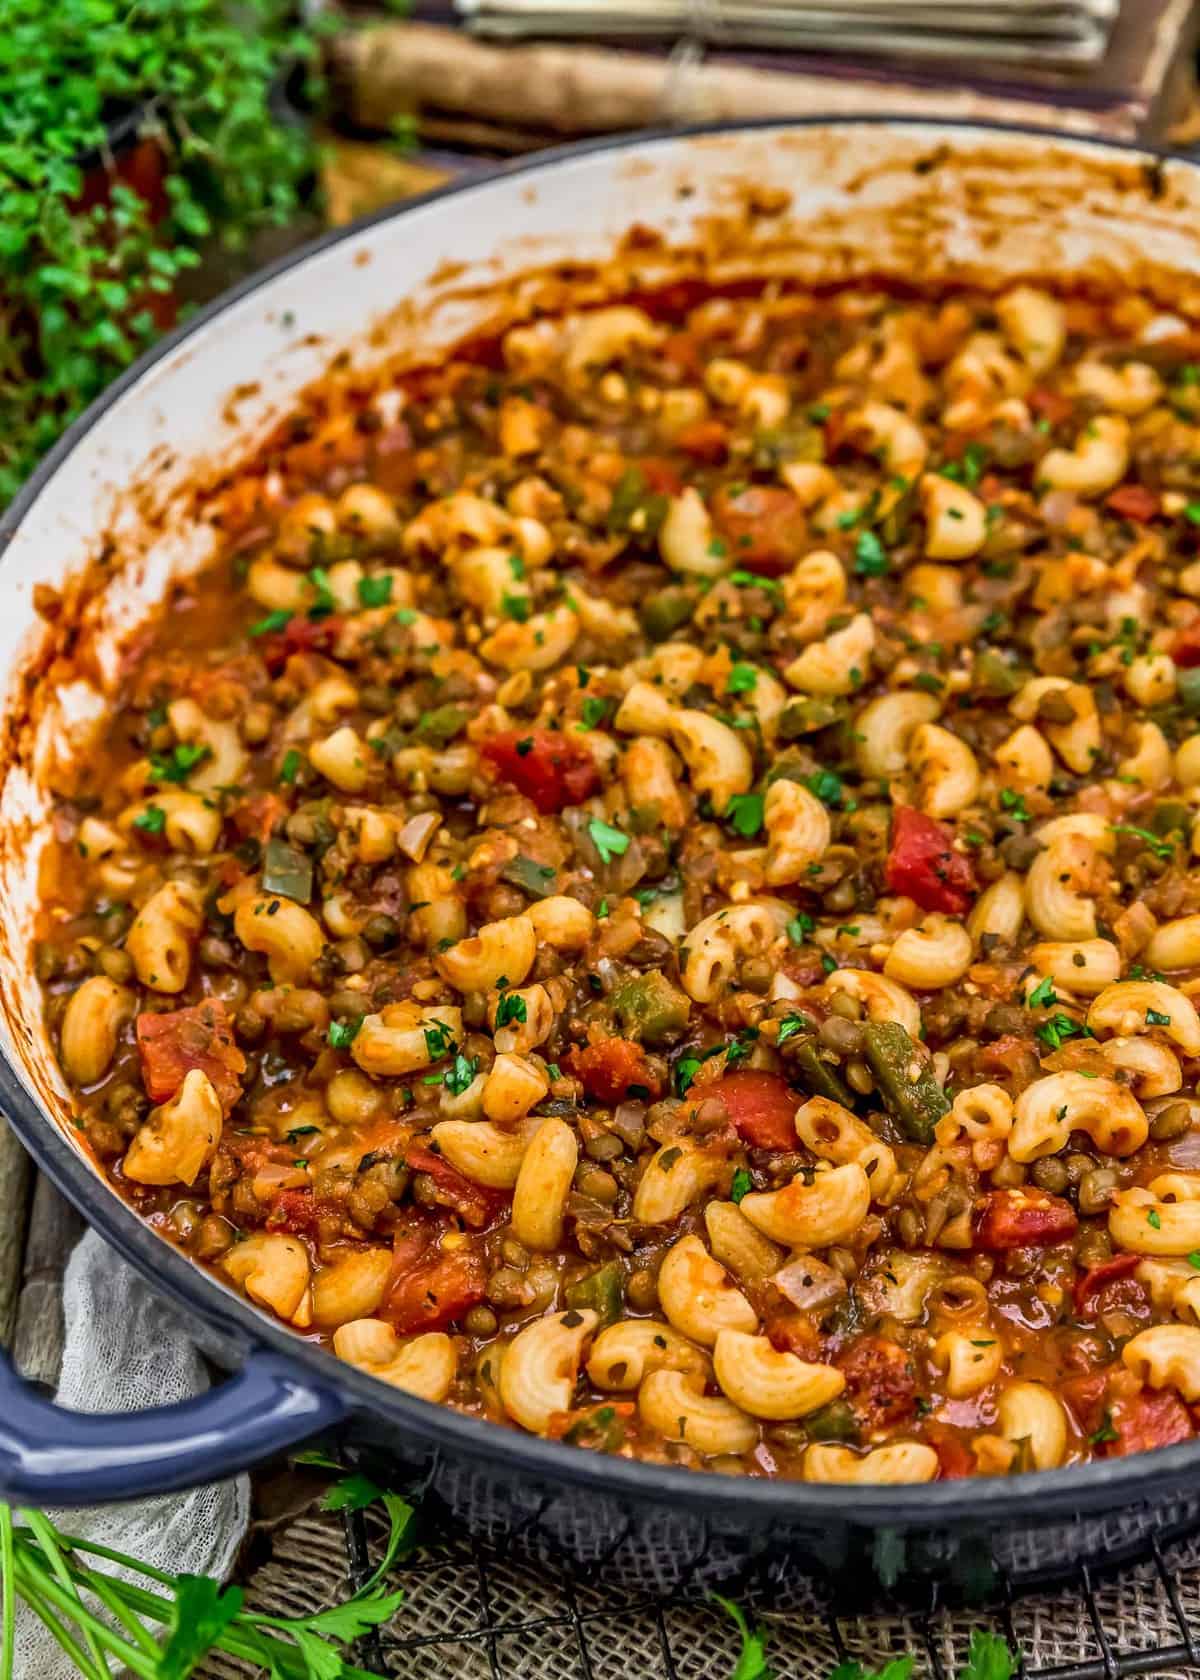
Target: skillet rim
[{"x": 745, "y": 1502}]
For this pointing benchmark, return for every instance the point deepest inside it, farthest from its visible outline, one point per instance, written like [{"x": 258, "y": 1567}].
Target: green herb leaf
[
  {"x": 375, "y": 591},
  {"x": 743, "y": 679},
  {"x": 1058, "y": 1029},
  {"x": 517, "y": 607},
  {"x": 462, "y": 1074},
  {"x": 744, "y": 812},
  {"x": 608, "y": 841},
  {"x": 1014, "y": 804},
  {"x": 594, "y": 711},
  {"x": 741, "y": 1186},
  {"x": 989, "y": 1657},
  {"x": 290, "y": 768},
  {"x": 1042, "y": 995},
  {"x": 343, "y": 1033},
  {"x": 510, "y": 1008},
  {"x": 1153, "y": 842},
  {"x": 752, "y": 1661},
  {"x": 178, "y": 764},
  {"x": 870, "y": 556},
  {"x": 152, "y": 820},
  {"x": 272, "y": 623},
  {"x": 203, "y": 1609},
  {"x": 799, "y": 928},
  {"x": 324, "y": 603},
  {"x": 790, "y": 1026}
]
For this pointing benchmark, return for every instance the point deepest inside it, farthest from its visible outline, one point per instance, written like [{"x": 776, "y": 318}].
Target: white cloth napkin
[{"x": 126, "y": 1349}]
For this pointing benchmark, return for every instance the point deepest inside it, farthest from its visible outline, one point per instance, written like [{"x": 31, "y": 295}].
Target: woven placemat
[{"x": 470, "y": 1613}]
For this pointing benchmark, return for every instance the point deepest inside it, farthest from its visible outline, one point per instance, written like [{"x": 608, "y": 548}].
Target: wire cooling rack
[{"x": 472, "y": 1612}]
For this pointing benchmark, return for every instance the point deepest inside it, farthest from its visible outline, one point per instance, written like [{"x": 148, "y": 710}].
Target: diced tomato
[
  {"x": 1185, "y": 648},
  {"x": 760, "y": 1105},
  {"x": 1086, "y": 1395},
  {"x": 1146, "y": 1419},
  {"x": 704, "y": 440},
  {"x": 294, "y": 1211},
  {"x": 1134, "y": 501},
  {"x": 1050, "y": 405},
  {"x": 431, "y": 1289},
  {"x": 1095, "y": 1280},
  {"x": 660, "y": 476},
  {"x": 611, "y": 1069},
  {"x": 924, "y": 866},
  {"x": 764, "y": 526},
  {"x": 200, "y": 1036},
  {"x": 474, "y": 1203},
  {"x": 549, "y": 768},
  {"x": 299, "y": 635},
  {"x": 256, "y": 818},
  {"x": 793, "y": 1331},
  {"x": 881, "y": 1384},
  {"x": 955, "y": 1458},
  {"x": 1011, "y": 1059},
  {"x": 1024, "y": 1219}
]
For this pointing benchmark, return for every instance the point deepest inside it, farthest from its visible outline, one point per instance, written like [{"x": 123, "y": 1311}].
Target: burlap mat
[{"x": 470, "y": 1614}]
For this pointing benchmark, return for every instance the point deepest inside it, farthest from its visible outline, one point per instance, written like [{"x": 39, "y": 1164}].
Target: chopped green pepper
[
  {"x": 1170, "y": 816},
  {"x": 905, "y": 1079},
  {"x": 442, "y": 724},
  {"x": 834, "y": 1422},
  {"x": 816, "y": 1074},
  {"x": 802, "y": 717},
  {"x": 651, "y": 1007},
  {"x": 536, "y": 879},
  {"x": 992, "y": 674},
  {"x": 287, "y": 871},
  {"x": 603, "y": 1291},
  {"x": 663, "y": 612}
]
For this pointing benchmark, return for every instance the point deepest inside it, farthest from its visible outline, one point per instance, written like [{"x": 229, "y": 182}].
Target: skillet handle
[{"x": 53, "y": 1457}]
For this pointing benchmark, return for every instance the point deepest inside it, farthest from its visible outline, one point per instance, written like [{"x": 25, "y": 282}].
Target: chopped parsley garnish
[
  {"x": 827, "y": 786},
  {"x": 1155, "y": 1018},
  {"x": 799, "y": 928},
  {"x": 741, "y": 1186},
  {"x": 406, "y": 615},
  {"x": 870, "y": 557},
  {"x": 461, "y": 1074},
  {"x": 324, "y": 603},
  {"x": 594, "y": 711},
  {"x": 517, "y": 607},
  {"x": 1106, "y": 1432},
  {"x": 272, "y": 623},
  {"x": 742, "y": 679},
  {"x": 686, "y": 1069},
  {"x": 744, "y": 812},
  {"x": 290, "y": 768},
  {"x": 755, "y": 580},
  {"x": 789, "y": 1027},
  {"x": 1153, "y": 1219},
  {"x": 375, "y": 591},
  {"x": 343, "y": 1033},
  {"x": 608, "y": 841},
  {"x": 1058, "y": 1029},
  {"x": 510, "y": 1008},
  {"x": 178, "y": 764},
  {"x": 1014, "y": 805},
  {"x": 1154, "y": 842},
  {"x": 439, "y": 1040},
  {"x": 152, "y": 820},
  {"x": 1042, "y": 995}
]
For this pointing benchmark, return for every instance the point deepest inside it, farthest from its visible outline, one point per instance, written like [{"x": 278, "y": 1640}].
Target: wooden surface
[{"x": 38, "y": 1230}]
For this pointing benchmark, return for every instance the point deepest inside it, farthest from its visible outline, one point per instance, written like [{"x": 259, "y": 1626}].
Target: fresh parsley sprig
[
  {"x": 988, "y": 1657},
  {"x": 159, "y": 1625}
]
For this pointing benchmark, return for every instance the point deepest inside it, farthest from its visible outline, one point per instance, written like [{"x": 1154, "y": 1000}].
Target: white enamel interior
[{"x": 913, "y": 200}]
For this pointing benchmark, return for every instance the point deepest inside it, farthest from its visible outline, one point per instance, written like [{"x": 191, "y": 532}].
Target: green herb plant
[
  {"x": 89, "y": 261},
  {"x": 988, "y": 1657},
  {"x": 158, "y": 1626}
]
